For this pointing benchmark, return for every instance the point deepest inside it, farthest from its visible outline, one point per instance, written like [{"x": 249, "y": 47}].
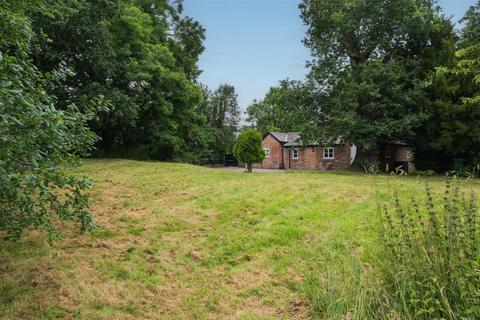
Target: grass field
[{"x": 184, "y": 242}]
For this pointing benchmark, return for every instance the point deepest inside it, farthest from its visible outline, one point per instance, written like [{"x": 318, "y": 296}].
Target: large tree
[
  {"x": 136, "y": 61},
  {"x": 452, "y": 128},
  {"x": 371, "y": 60},
  {"x": 222, "y": 117},
  {"x": 224, "y": 114}
]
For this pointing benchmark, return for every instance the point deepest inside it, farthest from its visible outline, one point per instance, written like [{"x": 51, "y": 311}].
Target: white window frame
[
  {"x": 329, "y": 153},
  {"x": 293, "y": 154},
  {"x": 267, "y": 152}
]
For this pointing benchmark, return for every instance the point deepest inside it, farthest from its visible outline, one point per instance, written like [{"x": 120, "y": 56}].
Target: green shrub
[
  {"x": 248, "y": 148},
  {"x": 430, "y": 258}
]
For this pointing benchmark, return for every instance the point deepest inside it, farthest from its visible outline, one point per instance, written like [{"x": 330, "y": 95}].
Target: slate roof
[
  {"x": 292, "y": 139},
  {"x": 286, "y": 137}
]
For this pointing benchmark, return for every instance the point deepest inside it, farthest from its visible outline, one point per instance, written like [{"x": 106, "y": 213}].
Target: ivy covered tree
[
  {"x": 39, "y": 143},
  {"x": 248, "y": 148}
]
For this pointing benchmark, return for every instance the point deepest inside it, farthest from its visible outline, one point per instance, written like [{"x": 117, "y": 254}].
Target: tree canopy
[
  {"x": 283, "y": 108},
  {"x": 221, "y": 116},
  {"x": 455, "y": 94},
  {"x": 136, "y": 61},
  {"x": 371, "y": 62}
]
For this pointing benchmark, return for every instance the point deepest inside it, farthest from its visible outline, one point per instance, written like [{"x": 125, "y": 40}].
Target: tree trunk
[{"x": 249, "y": 167}]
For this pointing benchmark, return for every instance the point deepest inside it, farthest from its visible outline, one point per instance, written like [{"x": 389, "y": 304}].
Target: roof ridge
[{"x": 299, "y": 132}]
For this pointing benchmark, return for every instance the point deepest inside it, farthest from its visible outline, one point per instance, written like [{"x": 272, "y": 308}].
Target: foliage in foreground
[
  {"x": 430, "y": 258},
  {"x": 37, "y": 141},
  {"x": 248, "y": 148}
]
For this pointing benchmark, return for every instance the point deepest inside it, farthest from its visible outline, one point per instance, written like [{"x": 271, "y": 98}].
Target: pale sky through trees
[{"x": 252, "y": 44}]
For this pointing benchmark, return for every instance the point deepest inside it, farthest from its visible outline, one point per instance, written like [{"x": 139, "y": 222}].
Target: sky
[{"x": 253, "y": 44}]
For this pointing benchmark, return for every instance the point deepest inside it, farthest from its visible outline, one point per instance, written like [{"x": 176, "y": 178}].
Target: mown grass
[{"x": 184, "y": 242}]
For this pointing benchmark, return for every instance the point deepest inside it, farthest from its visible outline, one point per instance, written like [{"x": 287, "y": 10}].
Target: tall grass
[
  {"x": 430, "y": 257},
  {"x": 345, "y": 290},
  {"x": 426, "y": 266}
]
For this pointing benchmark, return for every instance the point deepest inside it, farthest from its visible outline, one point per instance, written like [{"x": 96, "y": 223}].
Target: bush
[
  {"x": 430, "y": 258},
  {"x": 248, "y": 148}
]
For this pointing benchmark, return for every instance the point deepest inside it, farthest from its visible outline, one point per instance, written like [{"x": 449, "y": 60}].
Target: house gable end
[
  {"x": 275, "y": 152},
  {"x": 273, "y": 136}
]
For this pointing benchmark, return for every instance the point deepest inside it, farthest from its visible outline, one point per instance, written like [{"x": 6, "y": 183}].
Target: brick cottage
[{"x": 283, "y": 150}]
